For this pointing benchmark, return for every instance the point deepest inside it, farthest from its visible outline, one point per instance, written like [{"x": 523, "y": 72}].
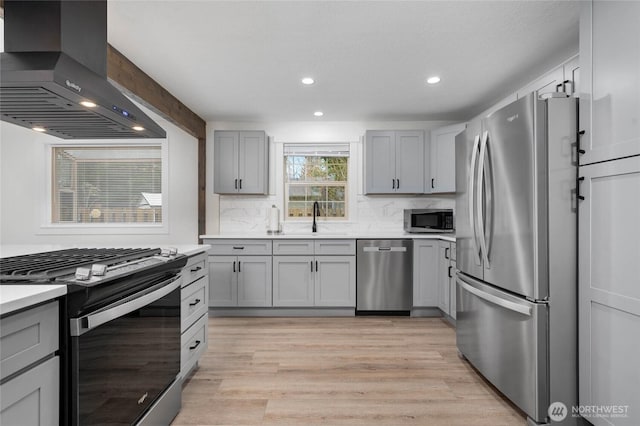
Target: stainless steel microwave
[{"x": 428, "y": 220}]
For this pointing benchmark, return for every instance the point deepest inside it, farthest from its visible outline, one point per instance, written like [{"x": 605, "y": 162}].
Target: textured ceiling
[{"x": 243, "y": 60}]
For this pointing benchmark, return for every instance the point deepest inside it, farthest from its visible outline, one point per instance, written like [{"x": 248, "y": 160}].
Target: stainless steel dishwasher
[{"x": 384, "y": 281}]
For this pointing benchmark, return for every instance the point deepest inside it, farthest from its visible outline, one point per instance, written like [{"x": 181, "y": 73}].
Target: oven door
[{"x": 125, "y": 355}]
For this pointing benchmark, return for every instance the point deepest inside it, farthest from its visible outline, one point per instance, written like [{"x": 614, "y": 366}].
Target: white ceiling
[{"x": 243, "y": 60}]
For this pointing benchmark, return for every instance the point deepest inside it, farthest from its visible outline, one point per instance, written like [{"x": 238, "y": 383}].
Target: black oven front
[{"x": 124, "y": 355}]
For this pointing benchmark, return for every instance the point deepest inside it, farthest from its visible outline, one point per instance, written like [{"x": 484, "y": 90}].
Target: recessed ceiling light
[
  {"x": 318, "y": 113},
  {"x": 433, "y": 80},
  {"x": 39, "y": 129},
  {"x": 88, "y": 104},
  {"x": 308, "y": 81},
  {"x": 138, "y": 128}
]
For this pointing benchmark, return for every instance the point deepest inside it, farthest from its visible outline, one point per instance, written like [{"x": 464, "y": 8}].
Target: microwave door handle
[
  {"x": 480, "y": 202},
  {"x": 471, "y": 191},
  {"x": 120, "y": 309}
]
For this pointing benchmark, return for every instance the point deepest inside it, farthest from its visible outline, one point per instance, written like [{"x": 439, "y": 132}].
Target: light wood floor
[{"x": 337, "y": 371}]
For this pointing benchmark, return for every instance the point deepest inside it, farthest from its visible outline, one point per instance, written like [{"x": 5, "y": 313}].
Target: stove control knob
[
  {"x": 83, "y": 274},
  {"x": 98, "y": 270},
  {"x": 168, "y": 252}
]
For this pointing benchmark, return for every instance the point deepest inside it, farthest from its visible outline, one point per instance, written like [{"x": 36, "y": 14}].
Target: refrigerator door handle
[
  {"x": 507, "y": 304},
  {"x": 480, "y": 201},
  {"x": 471, "y": 190}
]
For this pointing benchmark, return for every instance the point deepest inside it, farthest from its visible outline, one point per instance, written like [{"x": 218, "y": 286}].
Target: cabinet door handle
[
  {"x": 398, "y": 185},
  {"x": 433, "y": 183},
  {"x": 239, "y": 268},
  {"x": 316, "y": 266},
  {"x": 446, "y": 253},
  {"x": 195, "y": 302},
  {"x": 393, "y": 184},
  {"x": 194, "y": 346},
  {"x": 196, "y": 269},
  {"x": 311, "y": 263},
  {"x": 580, "y": 197},
  {"x": 235, "y": 183},
  {"x": 234, "y": 266},
  {"x": 449, "y": 272},
  {"x": 240, "y": 183}
]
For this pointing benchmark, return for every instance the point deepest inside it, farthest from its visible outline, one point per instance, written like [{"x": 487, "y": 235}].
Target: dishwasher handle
[{"x": 378, "y": 249}]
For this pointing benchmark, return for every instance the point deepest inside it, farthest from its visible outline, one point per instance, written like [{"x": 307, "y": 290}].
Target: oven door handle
[{"x": 86, "y": 323}]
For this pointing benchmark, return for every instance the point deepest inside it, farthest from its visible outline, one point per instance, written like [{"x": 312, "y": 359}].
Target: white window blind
[
  {"x": 316, "y": 173},
  {"x": 107, "y": 184}
]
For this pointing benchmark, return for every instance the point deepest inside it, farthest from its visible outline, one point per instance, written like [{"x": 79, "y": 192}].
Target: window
[
  {"x": 316, "y": 173},
  {"x": 112, "y": 184}
]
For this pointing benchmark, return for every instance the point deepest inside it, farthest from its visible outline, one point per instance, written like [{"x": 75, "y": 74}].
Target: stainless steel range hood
[{"x": 54, "y": 73}]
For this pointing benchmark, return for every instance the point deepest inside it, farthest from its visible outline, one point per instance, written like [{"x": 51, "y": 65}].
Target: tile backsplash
[{"x": 249, "y": 214}]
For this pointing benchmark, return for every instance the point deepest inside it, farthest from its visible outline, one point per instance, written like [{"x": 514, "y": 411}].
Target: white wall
[
  {"x": 24, "y": 187},
  {"x": 233, "y": 214}
]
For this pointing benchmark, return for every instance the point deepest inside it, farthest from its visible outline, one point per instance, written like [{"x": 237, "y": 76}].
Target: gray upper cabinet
[
  {"x": 241, "y": 162},
  {"x": 394, "y": 162},
  {"x": 610, "y": 74},
  {"x": 442, "y": 159},
  {"x": 549, "y": 83}
]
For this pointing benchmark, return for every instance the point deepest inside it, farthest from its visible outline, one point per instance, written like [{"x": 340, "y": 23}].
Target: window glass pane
[
  {"x": 316, "y": 175},
  {"x": 109, "y": 185}
]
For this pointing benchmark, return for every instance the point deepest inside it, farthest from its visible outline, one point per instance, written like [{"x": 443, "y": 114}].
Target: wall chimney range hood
[{"x": 53, "y": 73}]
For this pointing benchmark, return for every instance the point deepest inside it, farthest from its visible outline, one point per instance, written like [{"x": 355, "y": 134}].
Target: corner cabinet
[
  {"x": 394, "y": 162},
  {"x": 194, "y": 312},
  {"x": 241, "y": 162},
  {"x": 29, "y": 367},
  {"x": 321, "y": 274},
  {"x": 610, "y": 80},
  {"x": 442, "y": 160},
  {"x": 240, "y": 273}
]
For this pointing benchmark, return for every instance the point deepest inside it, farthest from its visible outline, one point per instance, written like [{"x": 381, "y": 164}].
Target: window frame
[
  {"x": 48, "y": 227},
  {"x": 348, "y": 184}
]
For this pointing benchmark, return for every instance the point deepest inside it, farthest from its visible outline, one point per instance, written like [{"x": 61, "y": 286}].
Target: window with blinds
[
  {"x": 107, "y": 184},
  {"x": 316, "y": 173}
]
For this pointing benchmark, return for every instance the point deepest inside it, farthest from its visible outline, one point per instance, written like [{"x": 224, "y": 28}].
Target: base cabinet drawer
[
  {"x": 194, "y": 302},
  {"x": 28, "y": 336},
  {"x": 32, "y": 398},
  {"x": 195, "y": 268},
  {"x": 194, "y": 343},
  {"x": 240, "y": 247}
]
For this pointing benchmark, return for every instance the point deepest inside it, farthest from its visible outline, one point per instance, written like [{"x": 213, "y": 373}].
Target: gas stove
[
  {"x": 81, "y": 266},
  {"x": 119, "y": 329}
]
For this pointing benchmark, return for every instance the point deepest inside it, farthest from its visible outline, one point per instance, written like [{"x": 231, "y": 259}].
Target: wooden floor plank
[{"x": 338, "y": 371}]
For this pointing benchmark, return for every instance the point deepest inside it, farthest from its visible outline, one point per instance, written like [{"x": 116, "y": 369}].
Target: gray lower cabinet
[
  {"x": 30, "y": 372},
  {"x": 194, "y": 312},
  {"x": 425, "y": 277},
  {"x": 446, "y": 278},
  {"x": 242, "y": 281},
  {"x": 609, "y": 290},
  {"x": 324, "y": 276},
  {"x": 321, "y": 281},
  {"x": 293, "y": 281}
]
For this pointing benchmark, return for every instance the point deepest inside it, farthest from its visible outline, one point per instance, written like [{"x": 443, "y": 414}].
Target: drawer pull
[
  {"x": 238, "y": 248},
  {"x": 195, "y": 302},
  {"x": 194, "y": 346},
  {"x": 196, "y": 269}
]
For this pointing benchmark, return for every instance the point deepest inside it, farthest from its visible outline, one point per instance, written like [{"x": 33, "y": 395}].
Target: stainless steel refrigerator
[{"x": 516, "y": 252}]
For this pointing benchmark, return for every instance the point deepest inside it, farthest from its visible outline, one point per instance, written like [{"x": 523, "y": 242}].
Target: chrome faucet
[{"x": 316, "y": 213}]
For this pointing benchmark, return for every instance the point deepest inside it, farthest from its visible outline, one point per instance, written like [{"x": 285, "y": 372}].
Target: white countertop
[
  {"x": 14, "y": 297},
  {"x": 329, "y": 236}
]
